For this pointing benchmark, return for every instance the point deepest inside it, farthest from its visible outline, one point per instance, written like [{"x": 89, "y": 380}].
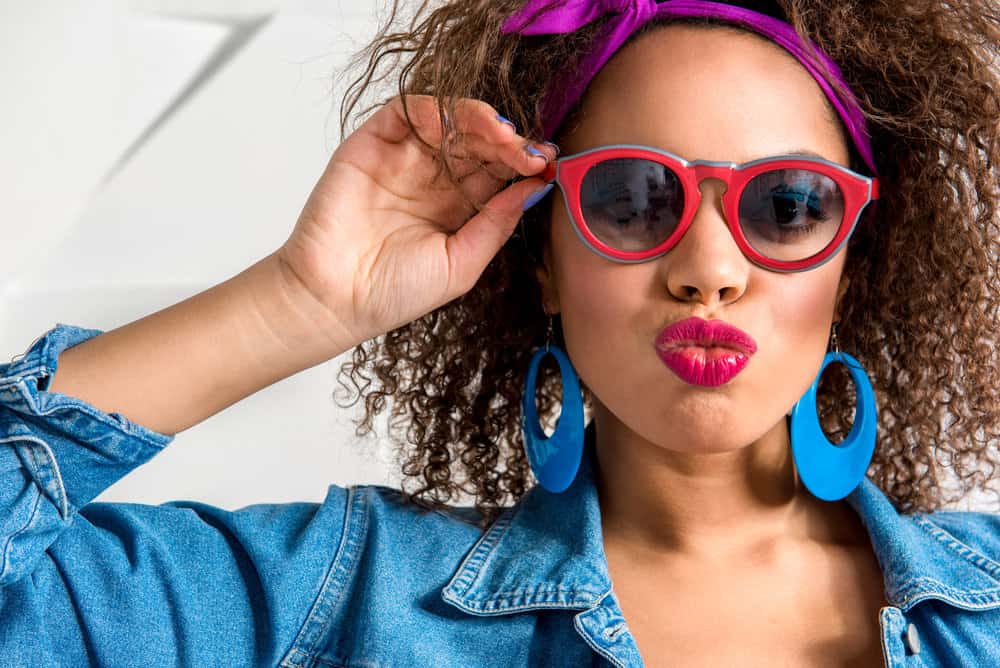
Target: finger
[
  {"x": 499, "y": 171},
  {"x": 476, "y": 179},
  {"x": 462, "y": 169},
  {"x": 475, "y": 130},
  {"x": 470, "y": 116},
  {"x": 465, "y": 164},
  {"x": 472, "y": 247},
  {"x": 474, "y": 189},
  {"x": 519, "y": 155},
  {"x": 482, "y": 184}
]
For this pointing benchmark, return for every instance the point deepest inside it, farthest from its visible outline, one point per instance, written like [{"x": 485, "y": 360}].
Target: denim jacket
[{"x": 364, "y": 580}]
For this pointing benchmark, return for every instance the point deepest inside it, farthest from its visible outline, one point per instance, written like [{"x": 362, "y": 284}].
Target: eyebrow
[
  {"x": 795, "y": 152},
  {"x": 805, "y": 151}
]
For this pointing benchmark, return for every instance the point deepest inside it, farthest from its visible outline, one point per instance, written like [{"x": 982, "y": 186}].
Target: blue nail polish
[
  {"x": 507, "y": 121},
  {"x": 537, "y": 196},
  {"x": 535, "y": 152}
]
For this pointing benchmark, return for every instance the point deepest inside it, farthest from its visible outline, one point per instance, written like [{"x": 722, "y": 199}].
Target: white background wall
[{"x": 152, "y": 149}]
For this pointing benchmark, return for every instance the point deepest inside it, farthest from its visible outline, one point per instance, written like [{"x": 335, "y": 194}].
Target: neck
[{"x": 656, "y": 498}]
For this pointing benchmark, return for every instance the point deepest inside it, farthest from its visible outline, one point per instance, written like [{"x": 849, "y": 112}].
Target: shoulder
[
  {"x": 382, "y": 522},
  {"x": 392, "y": 504},
  {"x": 394, "y": 556}
]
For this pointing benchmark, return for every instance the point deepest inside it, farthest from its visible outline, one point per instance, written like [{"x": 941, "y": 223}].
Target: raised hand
[{"x": 385, "y": 237}]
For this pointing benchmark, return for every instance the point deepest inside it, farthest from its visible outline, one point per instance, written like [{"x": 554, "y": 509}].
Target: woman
[{"x": 717, "y": 230}]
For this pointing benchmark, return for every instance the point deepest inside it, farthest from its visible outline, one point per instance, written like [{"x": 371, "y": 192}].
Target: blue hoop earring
[
  {"x": 831, "y": 472},
  {"x": 554, "y": 460}
]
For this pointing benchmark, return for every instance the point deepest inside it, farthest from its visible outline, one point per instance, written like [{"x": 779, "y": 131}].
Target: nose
[{"x": 706, "y": 265}]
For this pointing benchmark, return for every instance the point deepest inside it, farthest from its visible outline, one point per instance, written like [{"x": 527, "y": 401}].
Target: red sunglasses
[{"x": 787, "y": 213}]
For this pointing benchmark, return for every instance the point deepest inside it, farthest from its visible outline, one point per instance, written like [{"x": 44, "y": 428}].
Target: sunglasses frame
[{"x": 568, "y": 172}]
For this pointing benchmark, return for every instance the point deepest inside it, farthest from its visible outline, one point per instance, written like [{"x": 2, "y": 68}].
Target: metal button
[{"x": 913, "y": 639}]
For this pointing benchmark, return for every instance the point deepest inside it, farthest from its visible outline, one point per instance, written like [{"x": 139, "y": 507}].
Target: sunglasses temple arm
[{"x": 549, "y": 174}]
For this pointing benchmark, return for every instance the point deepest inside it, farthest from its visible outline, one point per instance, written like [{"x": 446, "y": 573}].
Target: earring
[
  {"x": 554, "y": 460},
  {"x": 831, "y": 472}
]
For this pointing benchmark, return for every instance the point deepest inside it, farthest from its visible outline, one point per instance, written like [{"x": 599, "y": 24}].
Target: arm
[
  {"x": 86, "y": 583},
  {"x": 184, "y": 583},
  {"x": 175, "y": 368}
]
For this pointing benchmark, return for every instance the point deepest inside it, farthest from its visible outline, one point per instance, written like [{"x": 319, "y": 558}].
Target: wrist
[{"x": 305, "y": 331}]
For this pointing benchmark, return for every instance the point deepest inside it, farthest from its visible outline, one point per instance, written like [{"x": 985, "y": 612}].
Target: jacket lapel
[{"x": 547, "y": 551}]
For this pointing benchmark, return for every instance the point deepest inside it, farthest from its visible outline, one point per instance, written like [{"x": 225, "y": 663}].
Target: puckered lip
[{"x": 696, "y": 331}]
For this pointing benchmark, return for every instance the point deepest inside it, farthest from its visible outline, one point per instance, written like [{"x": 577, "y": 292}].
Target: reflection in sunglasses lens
[
  {"x": 631, "y": 204},
  {"x": 791, "y": 214}
]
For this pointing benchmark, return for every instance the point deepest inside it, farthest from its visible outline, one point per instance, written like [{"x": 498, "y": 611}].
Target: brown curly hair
[{"x": 921, "y": 312}]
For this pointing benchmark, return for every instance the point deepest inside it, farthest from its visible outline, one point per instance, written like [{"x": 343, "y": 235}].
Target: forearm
[{"x": 177, "y": 367}]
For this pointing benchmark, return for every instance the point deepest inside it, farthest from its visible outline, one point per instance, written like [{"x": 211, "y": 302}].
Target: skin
[
  {"x": 692, "y": 474},
  {"x": 700, "y": 501}
]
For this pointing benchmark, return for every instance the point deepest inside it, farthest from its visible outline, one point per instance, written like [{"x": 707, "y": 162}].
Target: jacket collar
[
  {"x": 547, "y": 551},
  {"x": 919, "y": 559}
]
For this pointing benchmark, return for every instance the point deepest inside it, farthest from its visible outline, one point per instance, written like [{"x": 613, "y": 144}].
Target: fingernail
[
  {"x": 535, "y": 152},
  {"x": 556, "y": 148},
  {"x": 537, "y": 196},
  {"x": 507, "y": 121}
]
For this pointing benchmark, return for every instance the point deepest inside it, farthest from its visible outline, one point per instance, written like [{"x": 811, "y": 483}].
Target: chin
[{"x": 697, "y": 439}]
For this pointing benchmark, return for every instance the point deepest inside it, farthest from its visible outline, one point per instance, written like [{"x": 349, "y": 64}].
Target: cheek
[
  {"x": 802, "y": 311},
  {"x": 803, "y": 304},
  {"x": 603, "y": 336},
  {"x": 603, "y": 304}
]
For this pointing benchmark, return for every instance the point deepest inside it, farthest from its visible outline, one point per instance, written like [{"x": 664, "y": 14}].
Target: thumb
[{"x": 472, "y": 247}]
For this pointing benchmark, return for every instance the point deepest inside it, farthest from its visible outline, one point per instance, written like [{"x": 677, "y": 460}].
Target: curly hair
[{"x": 921, "y": 312}]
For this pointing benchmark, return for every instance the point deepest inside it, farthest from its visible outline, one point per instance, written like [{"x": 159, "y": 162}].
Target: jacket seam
[
  {"x": 600, "y": 650},
  {"x": 528, "y": 590},
  {"x": 582, "y": 632},
  {"x": 504, "y": 609},
  {"x": 115, "y": 420},
  {"x": 970, "y": 554},
  {"x": 499, "y": 603},
  {"x": 32, "y": 518},
  {"x": 14, "y": 380},
  {"x": 987, "y": 599},
  {"x": 334, "y": 584},
  {"x": 888, "y": 624},
  {"x": 471, "y": 568},
  {"x": 38, "y": 466}
]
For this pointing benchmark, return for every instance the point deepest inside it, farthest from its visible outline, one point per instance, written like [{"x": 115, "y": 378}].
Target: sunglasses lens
[
  {"x": 631, "y": 204},
  {"x": 791, "y": 214}
]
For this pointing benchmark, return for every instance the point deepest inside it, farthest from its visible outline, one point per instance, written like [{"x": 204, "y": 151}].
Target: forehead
[{"x": 708, "y": 93}]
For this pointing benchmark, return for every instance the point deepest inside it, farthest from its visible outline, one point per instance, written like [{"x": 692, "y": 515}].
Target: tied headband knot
[
  {"x": 621, "y": 6},
  {"x": 552, "y": 17},
  {"x": 543, "y": 17}
]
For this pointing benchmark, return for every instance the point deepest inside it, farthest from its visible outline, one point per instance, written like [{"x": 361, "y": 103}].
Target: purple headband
[{"x": 630, "y": 15}]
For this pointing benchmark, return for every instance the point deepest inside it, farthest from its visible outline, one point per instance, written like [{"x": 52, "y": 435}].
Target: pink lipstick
[{"x": 704, "y": 352}]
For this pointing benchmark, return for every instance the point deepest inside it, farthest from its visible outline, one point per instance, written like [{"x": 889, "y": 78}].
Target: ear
[
  {"x": 546, "y": 280},
  {"x": 845, "y": 281}
]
